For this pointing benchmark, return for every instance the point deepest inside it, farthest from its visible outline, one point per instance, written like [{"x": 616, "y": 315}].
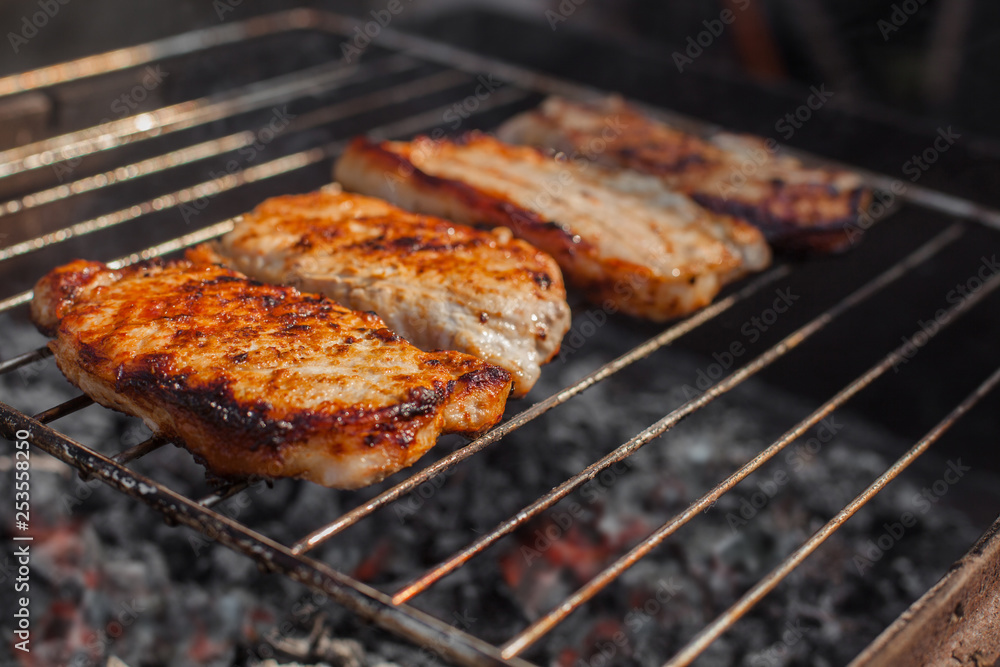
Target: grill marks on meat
[
  {"x": 438, "y": 284},
  {"x": 798, "y": 208},
  {"x": 624, "y": 239},
  {"x": 257, "y": 379}
]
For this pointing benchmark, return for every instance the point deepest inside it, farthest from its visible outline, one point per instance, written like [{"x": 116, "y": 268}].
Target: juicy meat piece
[
  {"x": 437, "y": 284},
  {"x": 625, "y": 240},
  {"x": 798, "y": 208},
  {"x": 258, "y": 379}
]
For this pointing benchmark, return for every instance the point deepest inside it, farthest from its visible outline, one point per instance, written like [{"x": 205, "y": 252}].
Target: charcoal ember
[{"x": 181, "y": 598}]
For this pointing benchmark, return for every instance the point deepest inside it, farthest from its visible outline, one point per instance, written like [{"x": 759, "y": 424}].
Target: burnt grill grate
[{"x": 404, "y": 86}]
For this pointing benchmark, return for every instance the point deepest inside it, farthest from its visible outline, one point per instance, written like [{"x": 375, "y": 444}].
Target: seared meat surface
[
  {"x": 258, "y": 379},
  {"x": 797, "y": 208},
  {"x": 438, "y": 284},
  {"x": 624, "y": 239}
]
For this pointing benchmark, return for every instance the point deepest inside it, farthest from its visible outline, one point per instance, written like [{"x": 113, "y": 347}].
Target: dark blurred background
[{"x": 931, "y": 58}]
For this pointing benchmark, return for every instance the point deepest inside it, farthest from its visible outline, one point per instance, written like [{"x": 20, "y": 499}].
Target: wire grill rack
[{"x": 402, "y": 86}]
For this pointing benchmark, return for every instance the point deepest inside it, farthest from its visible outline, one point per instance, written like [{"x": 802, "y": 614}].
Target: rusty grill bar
[{"x": 407, "y": 55}]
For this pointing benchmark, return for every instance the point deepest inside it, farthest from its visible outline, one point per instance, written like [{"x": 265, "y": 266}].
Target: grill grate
[{"x": 431, "y": 73}]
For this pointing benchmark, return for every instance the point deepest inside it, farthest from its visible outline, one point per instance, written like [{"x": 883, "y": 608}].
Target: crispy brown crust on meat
[
  {"x": 796, "y": 207},
  {"x": 400, "y": 172},
  {"x": 423, "y": 242},
  {"x": 232, "y": 368},
  {"x": 488, "y": 208},
  {"x": 437, "y": 283},
  {"x": 57, "y": 290},
  {"x": 790, "y": 219}
]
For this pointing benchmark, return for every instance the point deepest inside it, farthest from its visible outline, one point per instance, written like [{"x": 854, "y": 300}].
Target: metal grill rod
[
  {"x": 666, "y": 337},
  {"x": 361, "y": 599},
  {"x": 228, "y": 491},
  {"x": 128, "y": 172},
  {"x": 135, "y": 56},
  {"x": 215, "y": 147},
  {"x": 929, "y": 249},
  {"x": 539, "y": 628},
  {"x": 266, "y": 170},
  {"x": 173, "y": 245},
  {"x": 22, "y": 360},
  {"x": 67, "y": 408},
  {"x": 714, "y": 630},
  {"x": 140, "y": 450},
  {"x": 192, "y": 113},
  {"x": 171, "y": 200}
]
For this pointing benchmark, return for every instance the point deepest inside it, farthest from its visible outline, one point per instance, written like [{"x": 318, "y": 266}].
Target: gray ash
[{"x": 110, "y": 578}]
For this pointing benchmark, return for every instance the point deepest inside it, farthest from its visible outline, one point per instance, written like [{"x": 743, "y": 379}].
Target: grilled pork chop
[
  {"x": 625, "y": 240},
  {"x": 437, "y": 284},
  {"x": 796, "y": 207},
  {"x": 258, "y": 379}
]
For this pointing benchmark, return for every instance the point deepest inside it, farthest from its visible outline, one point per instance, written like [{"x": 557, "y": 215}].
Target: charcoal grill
[{"x": 175, "y": 169}]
